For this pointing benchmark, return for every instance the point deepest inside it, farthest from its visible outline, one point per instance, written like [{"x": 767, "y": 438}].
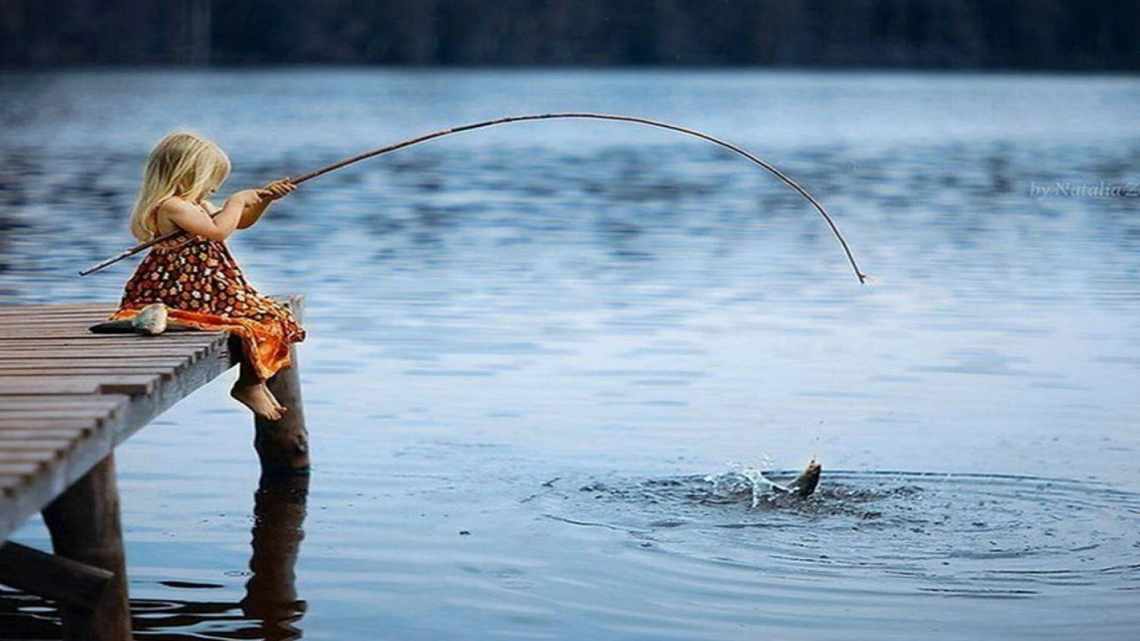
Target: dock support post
[
  {"x": 283, "y": 446},
  {"x": 85, "y": 527}
]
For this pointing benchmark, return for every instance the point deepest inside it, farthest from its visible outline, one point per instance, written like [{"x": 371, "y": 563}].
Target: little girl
[{"x": 195, "y": 275}]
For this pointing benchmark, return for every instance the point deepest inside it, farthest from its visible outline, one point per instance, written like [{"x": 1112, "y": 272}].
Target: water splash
[{"x": 745, "y": 480}]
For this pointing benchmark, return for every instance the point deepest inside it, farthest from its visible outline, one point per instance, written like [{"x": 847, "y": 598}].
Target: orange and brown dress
[{"x": 202, "y": 285}]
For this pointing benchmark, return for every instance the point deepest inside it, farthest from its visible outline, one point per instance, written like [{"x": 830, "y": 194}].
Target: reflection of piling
[
  {"x": 283, "y": 445},
  {"x": 271, "y": 593}
]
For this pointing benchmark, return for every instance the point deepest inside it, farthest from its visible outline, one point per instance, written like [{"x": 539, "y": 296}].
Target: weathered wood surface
[
  {"x": 68, "y": 397},
  {"x": 69, "y": 582}
]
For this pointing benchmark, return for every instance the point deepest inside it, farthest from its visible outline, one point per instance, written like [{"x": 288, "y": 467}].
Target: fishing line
[{"x": 498, "y": 121}]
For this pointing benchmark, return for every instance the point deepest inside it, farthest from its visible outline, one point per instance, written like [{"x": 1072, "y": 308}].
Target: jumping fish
[
  {"x": 808, "y": 480},
  {"x": 803, "y": 485}
]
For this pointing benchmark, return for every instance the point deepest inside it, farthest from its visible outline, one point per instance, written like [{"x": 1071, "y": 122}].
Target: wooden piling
[
  {"x": 283, "y": 446},
  {"x": 85, "y": 527}
]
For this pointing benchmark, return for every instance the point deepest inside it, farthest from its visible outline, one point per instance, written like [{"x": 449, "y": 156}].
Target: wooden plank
[
  {"x": 83, "y": 328},
  {"x": 22, "y": 310},
  {"x": 53, "y": 359},
  {"x": 72, "y": 306},
  {"x": 106, "y": 340},
  {"x": 85, "y": 323},
  {"x": 76, "y": 327},
  {"x": 108, "y": 353},
  {"x": 84, "y": 332},
  {"x": 23, "y": 470},
  {"x": 117, "y": 384},
  {"x": 26, "y": 367},
  {"x": 58, "y": 413},
  {"x": 104, "y": 370},
  {"x": 31, "y": 450},
  {"x": 65, "y": 307},
  {"x": 167, "y": 352},
  {"x": 57, "y": 309},
  {"x": 41, "y": 434},
  {"x": 141, "y": 346},
  {"x": 164, "y": 373},
  {"x": 26, "y": 376},
  {"x": 138, "y": 344},
  {"x": 33, "y": 320},
  {"x": 71, "y": 583},
  {"x": 179, "y": 338},
  {"x": 148, "y": 361},
  {"x": 13, "y": 402},
  {"x": 35, "y": 446},
  {"x": 79, "y": 322},
  {"x": 23, "y": 423},
  {"x": 76, "y": 306},
  {"x": 15, "y": 339},
  {"x": 39, "y": 457}
]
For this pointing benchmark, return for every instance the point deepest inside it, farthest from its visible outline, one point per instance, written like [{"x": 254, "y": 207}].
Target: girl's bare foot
[
  {"x": 257, "y": 398},
  {"x": 276, "y": 403}
]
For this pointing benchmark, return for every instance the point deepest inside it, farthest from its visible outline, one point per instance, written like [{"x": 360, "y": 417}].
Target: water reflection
[
  {"x": 270, "y": 610},
  {"x": 580, "y": 301},
  {"x": 271, "y": 592}
]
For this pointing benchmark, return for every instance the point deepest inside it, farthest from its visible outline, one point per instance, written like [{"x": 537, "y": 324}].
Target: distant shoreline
[{"x": 790, "y": 69}]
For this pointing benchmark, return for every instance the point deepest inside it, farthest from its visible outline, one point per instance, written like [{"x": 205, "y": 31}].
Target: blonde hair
[{"x": 181, "y": 164}]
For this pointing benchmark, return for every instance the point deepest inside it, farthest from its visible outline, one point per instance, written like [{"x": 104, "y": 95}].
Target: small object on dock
[
  {"x": 151, "y": 320},
  {"x": 807, "y": 481}
]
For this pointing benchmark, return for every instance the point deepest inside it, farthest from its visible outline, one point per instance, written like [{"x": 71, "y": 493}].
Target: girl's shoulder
[
  {"x": 169, "y": 210},
  {"x": 176, "y": 204},
  {"x": 174, "y": 207}
]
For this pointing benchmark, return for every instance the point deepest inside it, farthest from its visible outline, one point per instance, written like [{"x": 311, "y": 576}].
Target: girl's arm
[
  {"x": 269, "y": 193},
  {"x": 196, "y": 221}
]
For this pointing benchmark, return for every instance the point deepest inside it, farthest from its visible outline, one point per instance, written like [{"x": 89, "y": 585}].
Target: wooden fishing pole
[{"x": 498, "y": 121}]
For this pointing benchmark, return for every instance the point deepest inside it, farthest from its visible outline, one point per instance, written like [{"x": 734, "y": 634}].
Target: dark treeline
[{"x": 978, "y": 34}]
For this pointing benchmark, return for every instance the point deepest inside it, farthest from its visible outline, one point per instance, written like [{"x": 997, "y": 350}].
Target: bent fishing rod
[{"x": 498, "y": 121}]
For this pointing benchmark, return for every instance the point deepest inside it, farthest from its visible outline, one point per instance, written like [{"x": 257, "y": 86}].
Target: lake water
[{"x": 545, "y": 359}]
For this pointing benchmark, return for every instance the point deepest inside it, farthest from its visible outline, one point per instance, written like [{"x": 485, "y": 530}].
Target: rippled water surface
[{"x": 547, "y": 361}]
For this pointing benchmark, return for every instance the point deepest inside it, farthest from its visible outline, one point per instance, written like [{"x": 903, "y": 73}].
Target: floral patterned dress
[{"x": 203, "y": 287}]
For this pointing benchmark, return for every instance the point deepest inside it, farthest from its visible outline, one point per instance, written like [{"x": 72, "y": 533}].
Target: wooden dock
[{"x": 68, "y": 397}]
